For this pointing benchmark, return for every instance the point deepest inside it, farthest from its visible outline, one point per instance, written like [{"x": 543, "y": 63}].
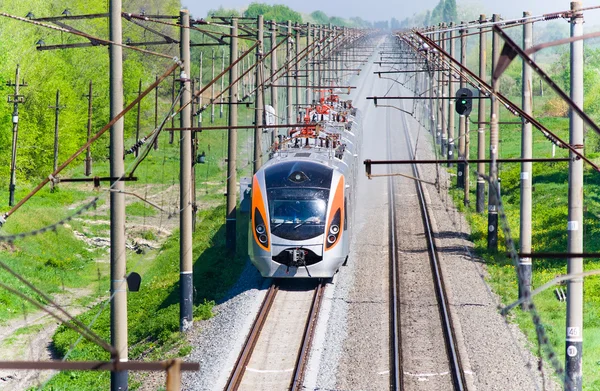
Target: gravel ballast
[{"x": 351, "y": 344}]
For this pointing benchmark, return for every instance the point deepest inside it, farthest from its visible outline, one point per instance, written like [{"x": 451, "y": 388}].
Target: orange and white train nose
[
  {"x": 336, "y": 219},
  {"x": 260, "y": 224}
]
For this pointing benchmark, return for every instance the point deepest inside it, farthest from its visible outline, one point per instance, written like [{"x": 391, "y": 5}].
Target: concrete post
[
  {"x": 56, "y": 115},
  {"x": 451, "y": 102},
  {"x": 258, "y": 97},
  {"x": 444, "y": 106},
  {"x": 308, "y": 66},
  {"x": 289, "y": 77},
  {"x": 274, "y": 92},
  {"x": 480, "y": 203},
  {"x": 212, "y": 89},
  {"x": 439, "y": 103},
  {"x": 297, "y": 69},
  {"x": 526, "y": 168},
  {"x": 460, "y": 172},
  {"x": 492, "y": 239},
  {"x": 574, "y": 331},
  {"x": 118, "y": 285},
  {"x": 88, "y": 152},
  {"x": 230, "y": 224},
  {"x": 186, "y": 286}
]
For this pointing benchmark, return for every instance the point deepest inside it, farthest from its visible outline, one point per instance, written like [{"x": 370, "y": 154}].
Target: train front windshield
[{"x": 297, "y": 214}]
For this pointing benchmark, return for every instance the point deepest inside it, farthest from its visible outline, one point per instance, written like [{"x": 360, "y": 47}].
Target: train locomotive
[{"x": 303, "y": 196}]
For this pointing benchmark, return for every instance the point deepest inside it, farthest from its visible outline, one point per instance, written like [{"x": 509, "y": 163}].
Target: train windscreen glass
[{"x": 297, "y": 214}]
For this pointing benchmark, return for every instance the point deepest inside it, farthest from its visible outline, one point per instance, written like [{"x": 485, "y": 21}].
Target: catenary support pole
[
  {"x": 221, "y": 106},
  {"x": 467, "y": 156},
  {"x": 173, "y": 84},
  {"x": 320, "y": 60},
  {"x": 480, "y": 197},
  {"x": 439, "y": 92},
  {"x": 492, "y": 238},
  {"x": 274, "y": 90},
  {"x": 118, "y": 264},
  {"x": 137, "y": 119},
  {"x": 156, "y": 110},
  {"x": 526, "y": 168},
  {"x": 57, "y": 109},
  {"x": 443, "y": 105},
  {"x": 307, "y": 64},
  {"x": 289, "y": 77},
  {"x": 186, "y": 284},
  {"x": 460, "y": 166},
  {"x": 194, "y": 141},
  {"x": 297, "y": 68},
  {"x": 88, "y": 152},
  {"x": 199, "y": 102},
  {"x": 258, "y": 97},
  {"x": 16, "y": 100},
  {"x": 431, "y": 106},
  {"x": 451, "y": 102},
  {"x": 574, "y": 330},
  {"x": 212, "y": 89},
  {"x": 230, "y": 225}
]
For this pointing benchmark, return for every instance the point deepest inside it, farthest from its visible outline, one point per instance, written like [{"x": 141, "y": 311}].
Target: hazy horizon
[{"x": 378, "y": 10}]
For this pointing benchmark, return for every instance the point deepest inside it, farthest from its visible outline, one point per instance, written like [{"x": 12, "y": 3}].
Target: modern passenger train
[{"x": 303, "y": 196}]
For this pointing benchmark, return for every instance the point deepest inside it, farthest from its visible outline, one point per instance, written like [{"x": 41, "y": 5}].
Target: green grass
[
  {"x": 153, "y": 313},
  {"x": 51, "y": 261},
  {"x": 58, "y": 262},
  {"x": 550, "y": 198},
  {"x": 140, "y": 209}
]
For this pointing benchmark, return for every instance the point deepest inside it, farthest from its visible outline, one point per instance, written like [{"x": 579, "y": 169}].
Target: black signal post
[{"x": 463, "y": 107}]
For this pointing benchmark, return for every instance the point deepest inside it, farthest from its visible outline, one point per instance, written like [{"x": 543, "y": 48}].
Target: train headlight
[
  {"x": 260, "y": 229},
  {"x": 334, "y": 230},
  {"x": 263, "y": 239}
]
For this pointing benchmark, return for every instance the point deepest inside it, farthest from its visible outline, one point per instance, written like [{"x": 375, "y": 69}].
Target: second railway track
[
  {"x": 275, "y": 353},
  {"x": 410, "y": 317}
]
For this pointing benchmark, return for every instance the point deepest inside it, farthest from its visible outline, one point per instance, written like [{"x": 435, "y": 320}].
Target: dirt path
[{"x": 29, "y": 338}]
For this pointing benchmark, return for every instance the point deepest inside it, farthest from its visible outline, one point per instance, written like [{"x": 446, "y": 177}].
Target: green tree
[
  {"x": 449, "y": 11},
  {"x": 319, "y": 17},
  {"x": 437, "y": 14},
  {"x": 279, "y": 13}
]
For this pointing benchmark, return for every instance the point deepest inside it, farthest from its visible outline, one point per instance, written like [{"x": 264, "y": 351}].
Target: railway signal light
[{"x": 464, "y": 103}]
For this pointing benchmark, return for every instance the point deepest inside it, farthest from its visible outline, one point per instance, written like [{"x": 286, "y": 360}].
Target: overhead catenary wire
[
  {"x": 508, "y": 22},
  {"x": 84, "y": 35},
  {"x": 90, "y": 142}
]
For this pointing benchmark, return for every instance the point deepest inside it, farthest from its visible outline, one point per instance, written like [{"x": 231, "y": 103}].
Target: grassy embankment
[
  {"x": 550, "y": 196},
  {"x": 58, "y": 262}
]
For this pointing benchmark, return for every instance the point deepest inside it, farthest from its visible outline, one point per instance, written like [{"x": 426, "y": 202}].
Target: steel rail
[
  {"x": 455, "y": 364},
  {"x": 307, "y": 339},
  {"x": 396, "y": 357},
  {"x": 240, "y": 366}
]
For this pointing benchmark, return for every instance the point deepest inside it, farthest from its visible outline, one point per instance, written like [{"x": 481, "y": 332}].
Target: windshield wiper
[{"x": 299, "y": 224}]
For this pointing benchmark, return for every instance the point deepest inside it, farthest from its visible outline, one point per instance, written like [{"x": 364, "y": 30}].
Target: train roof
[{"x": 331, "y": 136}]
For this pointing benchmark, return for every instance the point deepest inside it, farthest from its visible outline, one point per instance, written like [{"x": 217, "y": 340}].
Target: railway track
[
  {"x": 275, "y": 353},
  {"x": 398, "y": 373}
]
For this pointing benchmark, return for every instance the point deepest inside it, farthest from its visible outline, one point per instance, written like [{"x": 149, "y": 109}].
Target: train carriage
[{"x": 303, "y": 196}]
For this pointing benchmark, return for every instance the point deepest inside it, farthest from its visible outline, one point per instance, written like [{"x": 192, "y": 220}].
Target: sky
[{"x": 374, "y": 10}]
